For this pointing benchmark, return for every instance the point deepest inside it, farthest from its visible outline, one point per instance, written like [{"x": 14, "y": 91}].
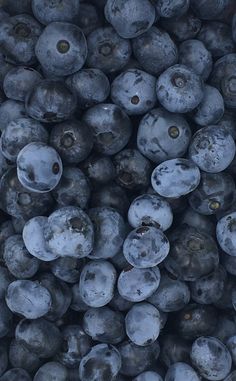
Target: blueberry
[
  {"x": 103, "y": 362},
  {"x": 179, "y": 89},
  {"x": 107, "y": 51},
  {"x": 16, "y": 374},
  {"x": 208, "y": 146},
  {"x": 58, "y": 10},
  {"x": 21, "y": 357},
  {"x": 211, "y": 358},
  {"x": 90, "y": 85},
  {"x": 53, "y": 370},
  {"x": 76, "y": 345},
  {"x": 174, "y": 349},
  {"x": 182, "y": 28},
  {"x": 66, "y": 269},
  {"x": 18, "y": 37},
  {"x": 181, "y": 371},
  {"x": 73, "y": 188},
  {"x": 223, "y": 78},
  {"x": 163, "y": 135},
  {"x": 142, "y": 324},
  {"x": 225, "y": 301},
  {"x": 211, "y": 109},
  {"x": 109, "y": 228},
  {"x": 15, "y": 7},
  {"x": 61, "y": 49},
  {"x": 39, "y": 167},
  {"x": 195, "y": 320},
  {"x": 217, "y": 38},
  {"x": 97, "y": 281},
  {"x": 48, "y": 337},
  {"x": 50, "y": 101},
  {"x": 99, "y": 169},
  {"x": 193, "y": 253},
  {"x": 113, "y": 196},
  {"x": 37, "y": 246},
  {"x": 89, "y": 18},
  {"x": 231, "y": 345},
  {"x": 150, "y": 210},
  {"x": 145, "y": 247},
  {"x": 132, "y": 169},
  {"x": 175, "y": 178},
  {"x": 136, "y": 285},
  {"x": 176, "y": 8},
  {"x": 171, "y": 295},
  {"x": 208, "y": 9},
  {"x": 225, "y": 232},
  {"x": 214, "y": 193},
  {"x": 155, "y": 50},
  {"x": 136, "y": 359},
  {"x": 73, "y": 141},
  {"x": 10, "y": 110},
  {"x": 134, "y": 91},
  {"x": 60, "y": 296},
  {"x": 69, "y": 232},
  {"x": 18, "y": 133},
  {"x": 209, "y": 288},
  {"x": 111, "y": 127},
  {"x": 28, "y": 298},
  {"x": 148, "y": 376},
  {"x": 17, "y": 258},
  {"x": 226, "y": 326},
  {"x": 130, "y": 18},
  {"x": 104, "y": 325},
  {"x": 119, "y": 261},
  {"x": 20, "y": 202}
]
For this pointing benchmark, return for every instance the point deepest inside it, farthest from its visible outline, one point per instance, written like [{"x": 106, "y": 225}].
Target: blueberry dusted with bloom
[
  {"x": 11, "y": 110},
  {"x": 163, "y": 135},
  {"x": 61, "y": 49},
  {"x": 107, "y": 51},
  {"x": 175, "y": 178},
  {"x": 226, "y": 233},
  {"x": 179, "y": 89},
  {"x": 97, "y": 282},
  {"x": 136, "y": 285},
  {"x": 134, "y": 91},
  {"x": 52, "y": 369},
  {"x": 69, "y": 232},
  {"x": 130, "y": 18},
  {"x": 39, "y": 167},
  {"x": 208, "y": 147},
  {"x": 181, "y": 371},
  {"x": 150, "y": 210}
]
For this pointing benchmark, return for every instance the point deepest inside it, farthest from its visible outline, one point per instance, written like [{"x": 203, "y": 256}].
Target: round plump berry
[
  {"x": 226, "y": 233},
  {"x": 39, "y": 167},
  {"x": 97, "y": 282},
  {"x": 57, "y": 10},
  {"x": 136, "y": 285},
  {"x": 69, "y": 232},
  {"x": 146, "y": 246},
  {"x": 163, "y": 135},
  {"x": 175, "y": 178},
  {"x": 179, "y": 89},
  {"x": 208, "y": 147},
  {"x": 61, "y": 49},
  {"x": 130, "y": 18}
]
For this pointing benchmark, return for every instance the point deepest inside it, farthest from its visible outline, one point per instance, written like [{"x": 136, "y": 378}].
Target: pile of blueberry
[{"x": 117, "y": 190}]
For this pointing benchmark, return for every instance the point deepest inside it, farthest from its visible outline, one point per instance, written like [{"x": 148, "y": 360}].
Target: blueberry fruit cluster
[{"x": 117, "y": 190}]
